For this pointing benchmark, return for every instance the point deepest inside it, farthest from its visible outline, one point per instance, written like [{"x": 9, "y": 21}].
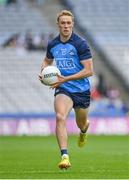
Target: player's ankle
[
  {"x": 65, "y": 156},
  {"x": 64, "y": 152},
  {"x": 82, "y": 131}
]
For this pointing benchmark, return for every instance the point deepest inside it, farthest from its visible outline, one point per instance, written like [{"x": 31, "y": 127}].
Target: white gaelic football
[{"x": 49, "y": 75}]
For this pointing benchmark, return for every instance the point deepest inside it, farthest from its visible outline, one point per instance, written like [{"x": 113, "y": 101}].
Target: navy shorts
[{"x": 80, "y": 100}]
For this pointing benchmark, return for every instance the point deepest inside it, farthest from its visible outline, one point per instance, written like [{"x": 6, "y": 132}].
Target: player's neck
[{"x": 65, "y": 38}]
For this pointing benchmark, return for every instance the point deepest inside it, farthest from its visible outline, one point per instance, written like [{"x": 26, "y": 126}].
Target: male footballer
[{"x": 73, "y": 58}]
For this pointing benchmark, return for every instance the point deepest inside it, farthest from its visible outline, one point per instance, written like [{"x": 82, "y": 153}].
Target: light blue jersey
[{"x": 67, "y": 57}]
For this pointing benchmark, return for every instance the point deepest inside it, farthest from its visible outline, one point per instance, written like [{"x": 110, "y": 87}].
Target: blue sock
[{"x": 63, "y": 151}]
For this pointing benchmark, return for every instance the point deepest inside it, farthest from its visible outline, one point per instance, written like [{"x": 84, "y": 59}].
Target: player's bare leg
[
  {"x": 83, "y": 124},
  {"x": 63, "y": 105}
]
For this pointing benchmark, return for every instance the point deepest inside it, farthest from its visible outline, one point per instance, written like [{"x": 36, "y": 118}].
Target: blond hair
[{"x": 64, "y": 13}]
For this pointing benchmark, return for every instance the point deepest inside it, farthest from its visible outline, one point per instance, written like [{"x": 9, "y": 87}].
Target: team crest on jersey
[{"x": 64, "y": 51}]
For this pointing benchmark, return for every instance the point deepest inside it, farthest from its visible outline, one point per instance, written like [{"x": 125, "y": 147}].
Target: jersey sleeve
[
  {"x": 84, "y": 51},
  {"x": 49, "y": 54}
]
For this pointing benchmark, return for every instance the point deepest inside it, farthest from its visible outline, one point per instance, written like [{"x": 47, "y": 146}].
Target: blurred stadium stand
[
  {"x": 21, "y": 17},
  {"x": 21, "y": 90},
  {"x": 105, "y": 23}
]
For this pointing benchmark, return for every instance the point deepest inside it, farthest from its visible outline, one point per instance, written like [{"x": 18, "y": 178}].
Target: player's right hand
[{"x": 40, "y": 78}]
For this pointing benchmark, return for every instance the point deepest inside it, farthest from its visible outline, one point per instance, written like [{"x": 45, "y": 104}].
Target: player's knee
[{"x": 60, "y": 117}]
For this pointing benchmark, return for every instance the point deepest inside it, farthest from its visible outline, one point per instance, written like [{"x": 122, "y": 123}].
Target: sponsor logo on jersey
[{"x": 65, "y": 63}]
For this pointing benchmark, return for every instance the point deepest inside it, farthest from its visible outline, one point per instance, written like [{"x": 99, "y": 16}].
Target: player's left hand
[{"x": 61, "y": 79}]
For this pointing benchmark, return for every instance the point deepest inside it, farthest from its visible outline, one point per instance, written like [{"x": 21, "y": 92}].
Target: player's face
[{"x": 65, "y": 25}]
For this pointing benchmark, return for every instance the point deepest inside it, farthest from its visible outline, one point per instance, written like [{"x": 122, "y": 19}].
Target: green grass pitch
[{"x": 104, "y": 157}]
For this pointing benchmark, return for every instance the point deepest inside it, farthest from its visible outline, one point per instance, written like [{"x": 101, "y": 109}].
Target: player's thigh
[
  {"x": 63, "y": 104},
  {"x": 81, "y": 114}
]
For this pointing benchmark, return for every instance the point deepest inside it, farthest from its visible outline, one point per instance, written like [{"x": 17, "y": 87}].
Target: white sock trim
[{"x": 65, "y": 155}]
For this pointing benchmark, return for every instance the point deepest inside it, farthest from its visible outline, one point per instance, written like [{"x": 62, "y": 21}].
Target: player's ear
[{"x": 57, "y": 22}]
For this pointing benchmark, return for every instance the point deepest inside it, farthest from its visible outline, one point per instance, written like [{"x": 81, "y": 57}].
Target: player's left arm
[{"x": 87, "y": 71}]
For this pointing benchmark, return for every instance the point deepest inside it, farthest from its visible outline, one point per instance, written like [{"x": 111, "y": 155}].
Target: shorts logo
[
  {"x": 65, "y": 63},
  {"x": 57, "y": 90}
]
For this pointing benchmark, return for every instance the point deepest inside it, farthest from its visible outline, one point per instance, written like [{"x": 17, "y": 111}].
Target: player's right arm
[{"x": 46, "y": 62}]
